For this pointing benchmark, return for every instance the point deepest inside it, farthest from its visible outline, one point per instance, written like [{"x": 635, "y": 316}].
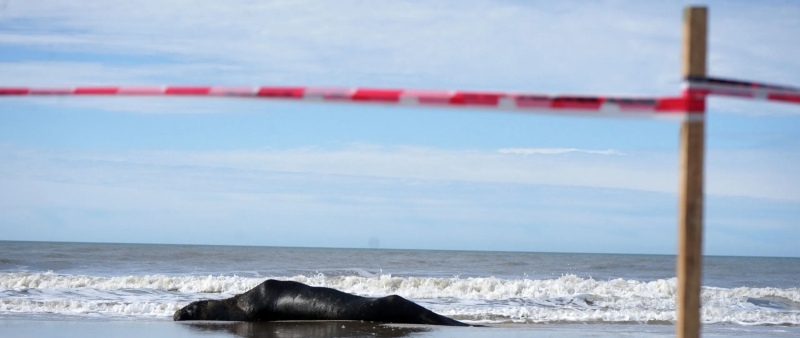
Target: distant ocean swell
[{"x": 488, "y": 300}]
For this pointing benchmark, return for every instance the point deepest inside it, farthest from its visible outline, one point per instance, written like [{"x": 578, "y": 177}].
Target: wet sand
[{"x": 163, "y": 328}]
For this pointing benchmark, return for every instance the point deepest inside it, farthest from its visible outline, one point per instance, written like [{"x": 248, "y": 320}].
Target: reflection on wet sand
[{"x": 299, "y": 329}]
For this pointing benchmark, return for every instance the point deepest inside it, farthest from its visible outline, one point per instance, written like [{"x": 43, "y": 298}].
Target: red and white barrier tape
[
  {"x": 743, "y": 89},
  {"x": 679, "y": 106}
]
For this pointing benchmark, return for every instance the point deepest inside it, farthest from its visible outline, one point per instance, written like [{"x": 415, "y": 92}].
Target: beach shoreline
[
  {"x": 50, "y": 327},
  {"x": 122, "y": 290}
]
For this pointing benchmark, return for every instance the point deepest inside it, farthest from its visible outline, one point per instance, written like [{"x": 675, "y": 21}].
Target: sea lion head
[{"x": 199, "y": 310}]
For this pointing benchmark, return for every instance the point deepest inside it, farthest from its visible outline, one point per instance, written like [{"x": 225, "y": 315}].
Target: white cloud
[
  {"x": 534, "y": 202},
  {"x": 756, "y": 174},
  {"x": 476, "y": 44},
  {"x": 557, "y": 151}
]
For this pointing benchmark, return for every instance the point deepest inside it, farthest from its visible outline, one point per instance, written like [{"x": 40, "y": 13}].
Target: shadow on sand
[{"x": 297, "y": 329}]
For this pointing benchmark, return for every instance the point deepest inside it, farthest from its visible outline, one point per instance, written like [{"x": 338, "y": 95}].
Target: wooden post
[{"x": 690, "y": 204}]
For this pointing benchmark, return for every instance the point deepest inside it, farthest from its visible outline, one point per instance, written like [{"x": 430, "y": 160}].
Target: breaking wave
[{"x": 482, "y": 300}]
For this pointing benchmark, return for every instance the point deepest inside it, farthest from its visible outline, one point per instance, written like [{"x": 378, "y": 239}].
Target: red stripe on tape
[
  {"x": 695, "y": 101},
  {"x": 785, "y": 97},
  {"x": 187, "y": 90},
  {"x": 576, "y": 102},
  {"x": 675, "y": 104},
  {"x": 686, "y": 103},
  {"x": 377, "y": 95},
  {"x": 282, "y": 92},
  {"x": 14, "y": 91},
  {"x": 475, "y": 99}
]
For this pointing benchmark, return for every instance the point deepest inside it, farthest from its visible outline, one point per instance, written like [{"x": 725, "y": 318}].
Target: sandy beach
[{"x": 12, "y": 328}]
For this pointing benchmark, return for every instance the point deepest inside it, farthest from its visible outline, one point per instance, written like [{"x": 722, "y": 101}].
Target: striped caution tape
[
  {"x": 742, "y": 89},
  {"x": 678, "y": 106}
]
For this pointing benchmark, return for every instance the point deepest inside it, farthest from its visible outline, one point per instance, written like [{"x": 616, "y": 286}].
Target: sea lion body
[{"x": 275, "y": 300}]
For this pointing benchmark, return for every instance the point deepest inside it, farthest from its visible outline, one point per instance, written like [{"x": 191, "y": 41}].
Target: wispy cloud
[
  {"x": 341, "y": 195},
  {"x": 429, "y": 45},
  {"x": 731, "y": 173},
  {"x": 558, "y": 151}
]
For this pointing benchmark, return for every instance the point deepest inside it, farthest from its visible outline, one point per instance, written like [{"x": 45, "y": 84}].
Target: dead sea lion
[{"x": 275, "y": 300}]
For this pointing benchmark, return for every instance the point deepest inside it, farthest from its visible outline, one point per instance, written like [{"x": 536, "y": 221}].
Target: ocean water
[{"x": 149, "y": 282}]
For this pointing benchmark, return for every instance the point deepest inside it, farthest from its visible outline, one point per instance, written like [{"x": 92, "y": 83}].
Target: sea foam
[{"x": 487, "y": 299}]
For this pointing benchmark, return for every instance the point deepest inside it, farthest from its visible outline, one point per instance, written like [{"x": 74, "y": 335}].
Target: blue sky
[{"x": 254, "y": 172}]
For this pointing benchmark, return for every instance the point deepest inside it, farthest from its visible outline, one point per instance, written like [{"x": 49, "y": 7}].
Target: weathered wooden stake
[{"x": 690, "y": 204}]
